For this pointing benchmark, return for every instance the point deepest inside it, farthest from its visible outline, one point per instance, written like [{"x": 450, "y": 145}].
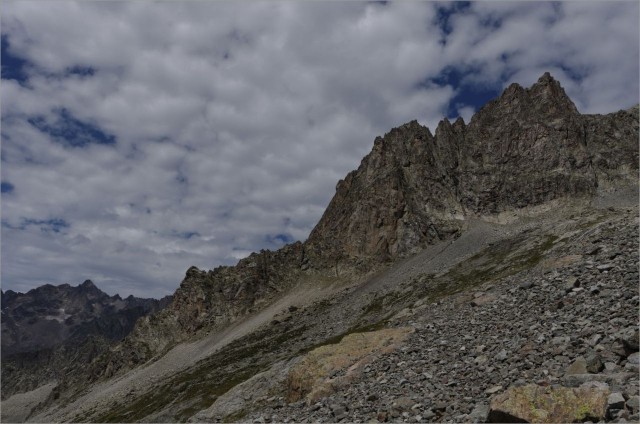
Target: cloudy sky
[{"x": 141, "y": 138}]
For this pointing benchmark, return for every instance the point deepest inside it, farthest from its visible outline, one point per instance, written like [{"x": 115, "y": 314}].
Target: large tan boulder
[
  {"x": 325, "y": 369},
  {"x": 541, "y": 404}
]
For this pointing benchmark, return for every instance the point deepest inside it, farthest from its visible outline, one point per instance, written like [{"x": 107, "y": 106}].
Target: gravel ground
[{"x": 537, "y": 326}]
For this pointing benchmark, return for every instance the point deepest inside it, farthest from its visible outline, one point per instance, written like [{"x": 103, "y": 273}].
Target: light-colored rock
[
  {"x": 634, "y": 359},
  {"x": 615, "y": 401},
  {"x": 483, "y": 300},
  {"x": 19, "y": 406},
  {"x": 492, "y": 390},
  {"x": 479, "y": 413},
  {"x": 633, "y": 404},
  {"x": 579, "y": 366},
  {"x": 534, "y": 403},
  {"x": 311, "y": 377}
]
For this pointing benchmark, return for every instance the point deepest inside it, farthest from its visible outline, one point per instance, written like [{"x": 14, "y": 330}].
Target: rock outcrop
[
  {"x": 532, "y": 403},
  {"x": 525, "y": 148},
  {"x": 206, "y": 301}
]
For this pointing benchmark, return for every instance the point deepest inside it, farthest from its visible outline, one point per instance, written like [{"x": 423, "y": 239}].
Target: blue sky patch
[
  {"x": 7, "y": 187},
  {"x": 54, "y": 224},
  {"x": 71, "y": 131},
  {"x": 13, "y": 67},
  {"x": 46, "y": 225},
  {"x": 83, "y": 71},
  {"x": 472, "y": 95},
  {"x": 279, "y": 239},
  {"x": 445, "y": 12}
]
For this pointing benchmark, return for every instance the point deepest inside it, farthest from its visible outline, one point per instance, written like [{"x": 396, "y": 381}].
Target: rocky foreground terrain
[
  {"x": 487, "y": 272},
  {"x": 501, "y": 350}
]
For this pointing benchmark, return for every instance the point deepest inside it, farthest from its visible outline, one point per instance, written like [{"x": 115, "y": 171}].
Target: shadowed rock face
[
  {"x": 53, "y": 329},
  {"x": 525, "y": 148},
  {"x": 49, "y": 316}
]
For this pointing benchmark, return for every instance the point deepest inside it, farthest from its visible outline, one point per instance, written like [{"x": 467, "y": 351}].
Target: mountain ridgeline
[
  {"x": 525, "y": 148},
  {"x": 528, "y": 147},
  {"x": 52, "y": 329}
]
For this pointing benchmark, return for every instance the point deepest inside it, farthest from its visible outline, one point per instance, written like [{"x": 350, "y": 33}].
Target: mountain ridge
[
  {"x": 464, "y": 173},
  {"x": 42, "y": 327},
  {"x": 528, "y": 149}
]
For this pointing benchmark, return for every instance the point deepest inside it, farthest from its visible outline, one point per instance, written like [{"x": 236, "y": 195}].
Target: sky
[{"x": 140, "y": 138}]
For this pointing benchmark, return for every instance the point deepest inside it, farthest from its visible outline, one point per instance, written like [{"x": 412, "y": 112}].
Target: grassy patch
[
  {"x": 378, "y": 325},
  {"x": 496, "y": 262}
]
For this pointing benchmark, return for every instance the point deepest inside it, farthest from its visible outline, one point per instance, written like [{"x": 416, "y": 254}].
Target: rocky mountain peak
[
  {"x": 90, "y": 289},
  {"x": 524, "y": 148},
  {"x": 88, "y": 284},
  {"x": 545, "y": 101},
  {"x": 549, "y": 96},
  {"x": 193, "y": 271}
]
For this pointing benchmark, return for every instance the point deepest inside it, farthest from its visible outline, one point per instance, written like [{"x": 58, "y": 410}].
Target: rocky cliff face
[
  {"x": 208, "y": 300},
  {"x": 525, "y": 148},
  {"x": 51, "y": 328},
  {"x": 529, "y": 146}
]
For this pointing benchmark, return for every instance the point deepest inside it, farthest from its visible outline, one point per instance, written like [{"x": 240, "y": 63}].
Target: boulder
[
  {"x": 615, "y": 401},
  {"x": 594, "y": 363},
  {"x": 532, "y": 403},
  {"x": 327, "y": 368},
  {"x": 579, "y": 366}
]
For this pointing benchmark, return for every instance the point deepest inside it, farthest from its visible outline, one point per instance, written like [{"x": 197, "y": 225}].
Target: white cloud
[
  {"x": 235, "y": 120},
  {"x": 596, "y": 41},
  {"x": 466, "y": 112}
]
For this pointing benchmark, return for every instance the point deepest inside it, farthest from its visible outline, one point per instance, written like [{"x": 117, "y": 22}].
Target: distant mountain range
[{"x": 39, "y": 324}]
